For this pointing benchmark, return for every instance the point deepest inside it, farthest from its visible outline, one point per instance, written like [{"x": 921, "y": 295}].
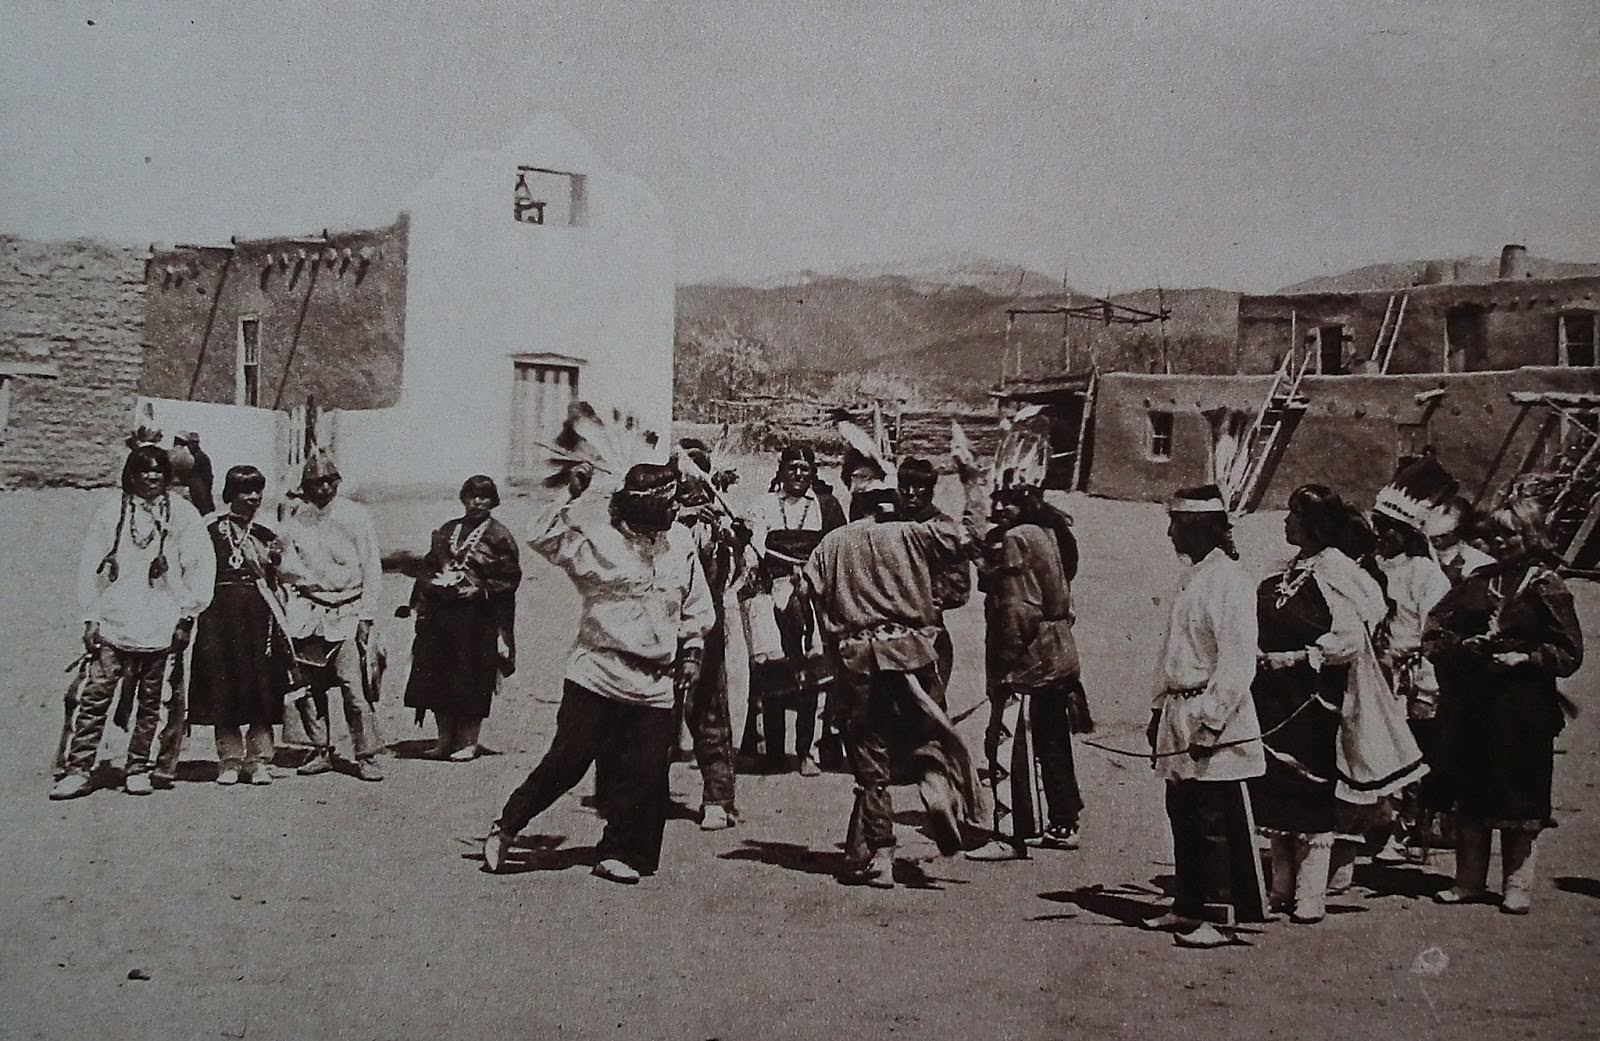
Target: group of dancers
[{"x": 1393, "y": 688}]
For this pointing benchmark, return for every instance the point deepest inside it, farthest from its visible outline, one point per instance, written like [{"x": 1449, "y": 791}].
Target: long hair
[
  {"x": 139, "y": 459},
  {"x": 792, "y": 453}
]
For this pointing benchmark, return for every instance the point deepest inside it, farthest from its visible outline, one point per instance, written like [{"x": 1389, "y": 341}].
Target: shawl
[{"x": 1377, "y": 753}]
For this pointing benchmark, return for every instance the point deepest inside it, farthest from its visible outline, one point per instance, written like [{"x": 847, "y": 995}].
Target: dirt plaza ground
[{"x": 327, "y": 908}]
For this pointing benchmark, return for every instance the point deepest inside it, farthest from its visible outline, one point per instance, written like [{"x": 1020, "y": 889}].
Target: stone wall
[
  {"x": 75, "y": 308},
  {"x": 330, "y": 314}
]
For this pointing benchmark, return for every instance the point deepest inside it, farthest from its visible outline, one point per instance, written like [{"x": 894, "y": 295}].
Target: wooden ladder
[
  {"x": 1268, "y": 436},
  {"x": 1571, "y": 496},
  {"x": 1389, "y": 331},
  {"x": 1574, "y": 511}
]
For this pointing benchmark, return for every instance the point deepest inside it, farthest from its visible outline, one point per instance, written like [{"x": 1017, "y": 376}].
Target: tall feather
[
  {"x": 869, "y": 448},
  {"x": 609, "y": 443},
  {"x": 1024, "y": 453}
]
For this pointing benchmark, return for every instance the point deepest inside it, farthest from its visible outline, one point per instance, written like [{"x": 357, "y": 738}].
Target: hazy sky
[{"x": 1239, "y": 143}]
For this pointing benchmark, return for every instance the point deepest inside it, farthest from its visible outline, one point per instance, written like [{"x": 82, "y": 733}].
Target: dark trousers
[
  {"x": 1052, "y": 746},
  {"x": 631, "y": 748},
  {"x": 1213, "y": 850},
  {"x": 108, "y": 671},
  {"x": 705, "y": 711},
  {"x": 884, "y": 725}
]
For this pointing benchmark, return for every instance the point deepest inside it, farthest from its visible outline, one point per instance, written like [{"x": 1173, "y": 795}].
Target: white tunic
[
  {"x": 644, "y": 596},
  {"x": 136, "y": 613},
  {"x": 1203, "y": 676}
]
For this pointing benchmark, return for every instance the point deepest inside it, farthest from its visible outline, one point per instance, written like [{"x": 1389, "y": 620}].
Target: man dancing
[
  {"x": 1032, "y": 662},
  {"x": 646, "y": 610},
  {"x": 334, "y": 577},
  {"x": 874, "y": 583},
  {"x": 1204, "y": 736}
]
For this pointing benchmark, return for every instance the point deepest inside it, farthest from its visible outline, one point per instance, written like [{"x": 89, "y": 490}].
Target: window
[
  {"x": 541, "y": 196},
  {"x": 1160, "y": 443},
  {"x": 247, "y": 374},
  {"x": 1577, "y": 338}
]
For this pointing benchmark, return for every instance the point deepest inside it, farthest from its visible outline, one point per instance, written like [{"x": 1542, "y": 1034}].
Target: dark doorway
[
  {"x": 1466, "y": 330},
  {"x": 1330, "y": 350},
  {"x": 1066, "y": 421}
]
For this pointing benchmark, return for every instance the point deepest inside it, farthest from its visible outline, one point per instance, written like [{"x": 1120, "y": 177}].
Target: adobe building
[
  {"x": 537, "y": 274},
  {"x": 71, "y": 316},
  {"x": 1385, "y": 373},
  {"x": 448, "y": 343},
  {"x": 1509, "y": 322}
]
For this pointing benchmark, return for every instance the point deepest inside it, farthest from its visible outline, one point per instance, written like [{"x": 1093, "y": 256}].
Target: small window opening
[
  {"x": 541, "y": 196},
  {"x": 247, "y": 390},
  {"x": 1160, "y": 442},
  {"x": 1578, "y": 338}
]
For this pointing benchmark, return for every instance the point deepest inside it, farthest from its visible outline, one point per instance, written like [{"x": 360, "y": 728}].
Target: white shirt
[
  {"x": 136, "y": 613},
  {"x": 333, "y": 551},
  {"x": 1413, "y": 585},
  {"x": 643, "y": 597},
  {"x": 776, "y": 511},
  {"x": 1210, "y": 645}
]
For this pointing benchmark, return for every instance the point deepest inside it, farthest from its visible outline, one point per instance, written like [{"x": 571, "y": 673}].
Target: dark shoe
[
  {"x": 1059, "y": 836},
  {"x": 877, "y": 872}
]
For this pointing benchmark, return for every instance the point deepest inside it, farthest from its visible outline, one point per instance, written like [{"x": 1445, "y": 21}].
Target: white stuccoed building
[{"x": 536, "y": 274}]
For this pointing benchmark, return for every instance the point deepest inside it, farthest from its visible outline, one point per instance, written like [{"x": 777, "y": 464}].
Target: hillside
[
  {"x": 940, "y": 330},
  {"x": 1405, "y": 273}
]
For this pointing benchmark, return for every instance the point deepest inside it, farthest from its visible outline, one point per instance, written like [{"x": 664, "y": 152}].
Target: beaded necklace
[
  {"x": 1290, "y": 581},
  {"x": 783, "y": 512},
  {"x": 237, "y": 536},
  {"x": 158, "y": 516}
]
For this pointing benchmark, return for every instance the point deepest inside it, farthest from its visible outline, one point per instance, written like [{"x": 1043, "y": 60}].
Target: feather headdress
[
  {"x": 609, "y": 444},
  {"x": 1023, "y": 458},
  {"x": 873, "y": 449},
  {"x": 708, "y": 462},
  {"x": 1418, "y": 490},
  {"x": 145, "y": 431}
]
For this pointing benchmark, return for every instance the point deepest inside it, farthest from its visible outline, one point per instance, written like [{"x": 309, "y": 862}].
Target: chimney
[{"x": 1514, "y": 261}]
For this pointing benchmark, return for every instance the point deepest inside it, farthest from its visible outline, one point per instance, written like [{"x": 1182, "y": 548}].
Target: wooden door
[{"x": 540, "y": 397}]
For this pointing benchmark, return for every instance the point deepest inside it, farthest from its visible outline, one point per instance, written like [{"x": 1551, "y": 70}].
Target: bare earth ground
[{"x": 327, "y": 908}]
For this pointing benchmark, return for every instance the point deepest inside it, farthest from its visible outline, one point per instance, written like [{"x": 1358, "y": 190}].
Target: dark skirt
[
  {"x": 240, "y": 670},
  {"x": 1296, "y": 794},
  {"x": 1499, "y": 738},
  {"x": 455, "y": 664}
]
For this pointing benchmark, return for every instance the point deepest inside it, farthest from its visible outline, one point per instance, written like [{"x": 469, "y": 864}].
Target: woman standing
[
  {"x": 1413, "y": 584},
  {"x": 1500, "y": 640},
  {"x": 1309, "y": 630},
  {"x": 242, "y": 658},
  {"x": 465, "y": 607}
]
